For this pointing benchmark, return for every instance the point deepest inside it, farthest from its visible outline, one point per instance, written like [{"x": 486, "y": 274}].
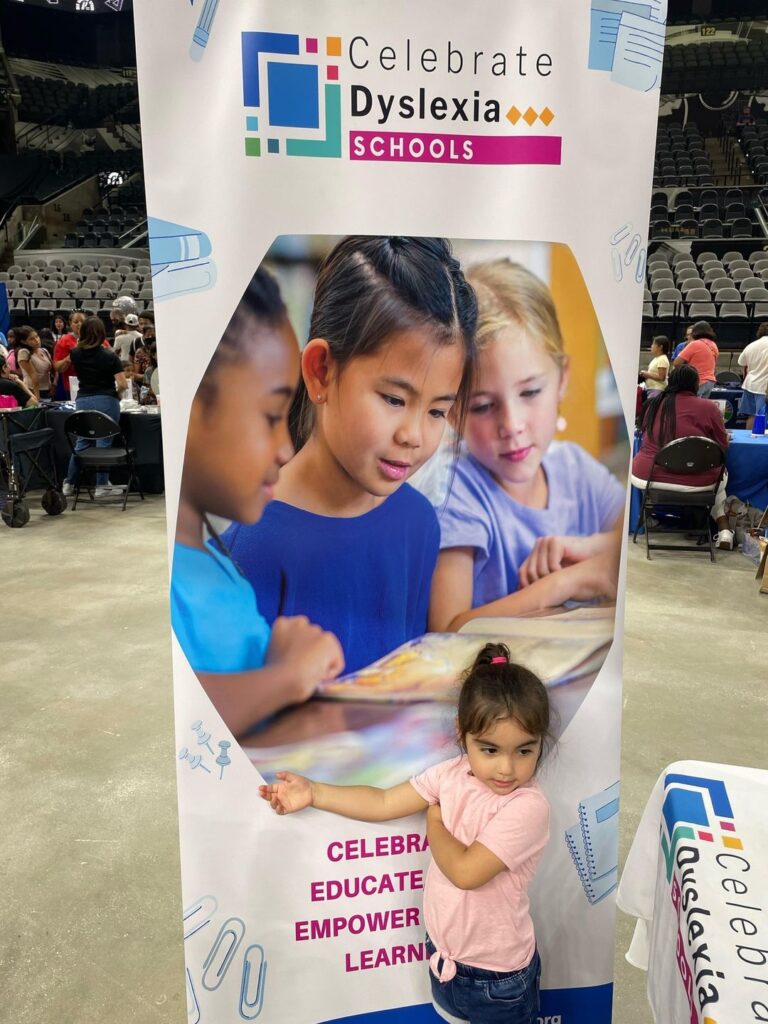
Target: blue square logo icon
[{"x": 293, "y": 95}]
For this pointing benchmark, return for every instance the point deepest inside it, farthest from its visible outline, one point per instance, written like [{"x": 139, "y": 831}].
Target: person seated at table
[
  {"x": 655, "y": 376},
  {"x": 529, "y": 522},
  {"x": 686, "y": 341},
  {"x": 702, "y": 354},
  {"x": 754, "y": 359},
  {"x": 680, "y": 412},
  {"x": 14, "y": 386},
  {"x": 101, "y": 377},
  {"x": 237, "y": 441}
]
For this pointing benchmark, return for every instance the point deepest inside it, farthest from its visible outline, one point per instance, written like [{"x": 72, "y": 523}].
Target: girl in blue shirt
[
  {"x": 347, "y": 541},
  {"x": 529, "y": 522},
  {"x": 236, "y": 443}
]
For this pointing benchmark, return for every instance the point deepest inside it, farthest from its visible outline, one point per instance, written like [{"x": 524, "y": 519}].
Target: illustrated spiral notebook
[
  {"x": 430, "y": 667},
  {"x": 593, "y": 843}
]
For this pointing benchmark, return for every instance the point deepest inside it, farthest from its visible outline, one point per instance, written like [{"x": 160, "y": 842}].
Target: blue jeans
[
  {"x": 706, "y": 388},
  {"x": 488, "y": 997},
  {"x": 101, "y": 403}
]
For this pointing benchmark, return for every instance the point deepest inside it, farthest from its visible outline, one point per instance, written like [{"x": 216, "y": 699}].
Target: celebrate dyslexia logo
[
  {"x": 686, "y": 816},
  {"x": 292, "y": 93}
]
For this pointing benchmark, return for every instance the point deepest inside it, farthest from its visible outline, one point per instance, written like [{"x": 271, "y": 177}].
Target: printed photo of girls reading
[{"x": 408, "y": 358}]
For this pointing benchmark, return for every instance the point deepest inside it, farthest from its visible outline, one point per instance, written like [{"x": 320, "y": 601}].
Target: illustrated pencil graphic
[{"x": 202, "y": 31}]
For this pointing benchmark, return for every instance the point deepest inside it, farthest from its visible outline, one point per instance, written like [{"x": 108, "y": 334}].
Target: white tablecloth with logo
[{"x": 697, "y": 879}]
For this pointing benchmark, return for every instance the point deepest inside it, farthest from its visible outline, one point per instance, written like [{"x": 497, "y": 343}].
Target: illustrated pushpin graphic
[
  {"x": 223, "y": 759},
  {"x": 194, "y": 759},
  {"x": 202, "y": 735}
]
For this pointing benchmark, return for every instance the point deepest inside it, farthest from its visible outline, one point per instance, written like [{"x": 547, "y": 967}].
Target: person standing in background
[
  {"x": 62, "y": 362},
  {"x": 701, "y": 353},
  {"x": 754, "y": 359},
  {"x": 101, "y": 378},
  {"x": 655, "y": 376},
  {"x": 686, "y": 341},
  {"x": 34, "y": 362}
]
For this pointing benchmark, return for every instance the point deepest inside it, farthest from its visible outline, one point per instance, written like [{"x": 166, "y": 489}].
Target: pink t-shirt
[
  {"x": 489, "y": 927},
  {"x": 702, "y": 355}
]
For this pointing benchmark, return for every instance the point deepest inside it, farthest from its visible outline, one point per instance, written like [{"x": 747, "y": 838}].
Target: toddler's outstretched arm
[{"x": 364, "y": 803}]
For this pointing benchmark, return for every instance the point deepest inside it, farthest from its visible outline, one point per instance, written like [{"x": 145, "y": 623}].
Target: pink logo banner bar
[{"x": 421, "y": 147}]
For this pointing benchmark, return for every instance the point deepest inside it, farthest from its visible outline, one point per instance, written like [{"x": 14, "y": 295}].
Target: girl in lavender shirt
[
  {"x": 529, "y": 522},
  {"x": 487, "y": 825}
]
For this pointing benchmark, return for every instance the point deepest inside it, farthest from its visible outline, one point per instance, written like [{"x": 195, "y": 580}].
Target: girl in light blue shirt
[{"x": 236, "y": 443}]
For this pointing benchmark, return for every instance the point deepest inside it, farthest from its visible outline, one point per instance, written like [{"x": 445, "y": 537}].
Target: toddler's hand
[
  {"x": 552, "y": 553},
  {"x": 309, "y": 654},
  {"x": 292, "y": 793}
]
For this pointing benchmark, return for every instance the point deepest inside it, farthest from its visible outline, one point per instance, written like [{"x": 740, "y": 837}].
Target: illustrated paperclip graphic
[
  {"x": 180, "y": 262},
  {"x": 202, "y": 32},
  {"x": 222, "y": 953},
  {"x": 252, "y": 992},
  {"x": 193, "y": 1007},
  {"x": 199, "y": 914}
]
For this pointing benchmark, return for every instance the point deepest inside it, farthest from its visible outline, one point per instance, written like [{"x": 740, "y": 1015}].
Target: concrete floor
[{"x": 91, "y": 875}]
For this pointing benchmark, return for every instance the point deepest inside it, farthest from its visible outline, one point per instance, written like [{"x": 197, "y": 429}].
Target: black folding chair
[
  {"x": 684, "y": 457},
  {"x": 93, "y": 426}
]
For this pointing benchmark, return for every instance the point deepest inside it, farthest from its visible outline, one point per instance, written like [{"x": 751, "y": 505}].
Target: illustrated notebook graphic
[{"x": 593, "y": 843}]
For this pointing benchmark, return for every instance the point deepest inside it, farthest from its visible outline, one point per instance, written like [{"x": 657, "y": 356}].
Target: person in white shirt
[
  {"x": 655, "y": 376},
  {"x": 755, "y": 360},
  {"x": 125, "y": 340}
]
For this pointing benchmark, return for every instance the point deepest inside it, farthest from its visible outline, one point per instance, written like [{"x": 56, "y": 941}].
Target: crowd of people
[
  {"x": 42, "y": 366},
  {"x": 38, "y": 367},
  {"x": 676, "y": 405}
]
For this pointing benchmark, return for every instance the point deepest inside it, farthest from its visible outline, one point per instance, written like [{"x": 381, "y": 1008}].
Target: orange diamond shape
[
  {"x": 530, "y": 115},
  {"x": 547, "y": 116},
  {"x": 514, "y": 115}
]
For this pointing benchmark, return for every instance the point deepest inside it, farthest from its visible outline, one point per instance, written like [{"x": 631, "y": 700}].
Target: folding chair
[
  {"x": 93, "y": 427},
  {"x": 684, "y": 457}
]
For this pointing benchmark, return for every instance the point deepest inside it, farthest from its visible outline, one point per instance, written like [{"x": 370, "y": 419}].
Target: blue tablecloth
[{"x": 747, "y": 462}]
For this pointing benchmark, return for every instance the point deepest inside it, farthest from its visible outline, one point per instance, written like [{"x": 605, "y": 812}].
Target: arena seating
[
  {"x": 716, "y": 66},
  {"x": 707, "y": 213},
  {"x": 45, "y": 101},
  {"x": 681, "y": 157},
  {"x": 41, "y": 286},
  {"x": 728, "y": 290}
]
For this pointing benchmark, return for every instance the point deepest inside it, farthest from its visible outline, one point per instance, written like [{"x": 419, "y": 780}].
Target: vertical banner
[{"x": 414, "y": 234}]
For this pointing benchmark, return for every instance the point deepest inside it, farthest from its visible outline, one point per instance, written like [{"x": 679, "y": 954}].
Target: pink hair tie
[{"x": 501, "y": 660}]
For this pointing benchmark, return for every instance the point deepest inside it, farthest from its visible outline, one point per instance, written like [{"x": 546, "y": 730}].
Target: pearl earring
[{"x": 562, "y": 424}]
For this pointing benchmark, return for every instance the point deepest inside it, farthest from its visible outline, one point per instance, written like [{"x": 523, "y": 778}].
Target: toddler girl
[
  {"x": 348, "y": 542},
  {"x": 529, "y": 522},
  {"x": 236, "y": 443},
  {"x": 487, "y": 824}
]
